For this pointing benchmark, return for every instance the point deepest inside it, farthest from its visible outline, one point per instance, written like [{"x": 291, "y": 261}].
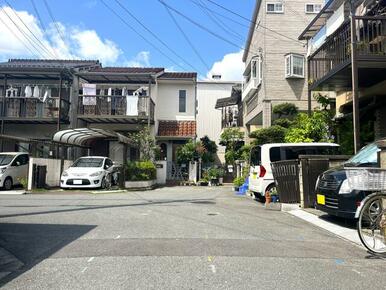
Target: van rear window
[{"x": 256, "y": 156}]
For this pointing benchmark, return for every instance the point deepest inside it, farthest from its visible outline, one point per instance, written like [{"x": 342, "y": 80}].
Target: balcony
[
  {"x": 116, "y": 109},
  {"x": 32, "y": 110},
  {"x": 330, "y": 64}
]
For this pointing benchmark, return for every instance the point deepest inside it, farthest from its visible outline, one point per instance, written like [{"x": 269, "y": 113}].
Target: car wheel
[
  {"x": 8, "y": 184},
  {"x": 103, "y": 183}
]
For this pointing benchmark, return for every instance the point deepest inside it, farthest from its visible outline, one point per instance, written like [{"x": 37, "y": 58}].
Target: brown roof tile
[
  {"x": 129, "y": 70},
  {"x": 178, "y": 75},
  {"x": 177, "y": 128}
]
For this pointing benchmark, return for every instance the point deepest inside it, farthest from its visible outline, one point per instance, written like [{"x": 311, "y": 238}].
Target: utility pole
[{"x": 354, "y": 76}]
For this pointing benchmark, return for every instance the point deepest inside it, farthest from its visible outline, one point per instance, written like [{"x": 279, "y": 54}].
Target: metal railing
[
  {"x": 336, "y": 51},
  {"x": 33, "y": 108},
  {"x": 116, "y": 106}
]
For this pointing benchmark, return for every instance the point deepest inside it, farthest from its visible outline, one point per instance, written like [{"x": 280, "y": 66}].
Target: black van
[{"x": 333, "y": 194}]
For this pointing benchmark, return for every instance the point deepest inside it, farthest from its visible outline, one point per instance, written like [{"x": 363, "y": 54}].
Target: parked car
[
  {"x": 333, "y": 194},
  {"x": 88, "y": 172},
  {"x": 13, "y": 167},
  {"x": 260, "y": 176}
]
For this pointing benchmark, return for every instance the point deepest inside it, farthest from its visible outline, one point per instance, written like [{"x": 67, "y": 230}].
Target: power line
[
  {"x": 14, "y": 34},
  {"x": 140, "y": 35},
  {"x": 201, "y": 26},
  {"x": 54, "y": 21},
  {"x": 38, "y": 14},
  {"x": 187, "y": 39},
  {"x": 37, "y": 49},
  {"x": 154, "y": 35},
  {"x": 253, "y": 22},
  {"x": 40, "y": 43}
]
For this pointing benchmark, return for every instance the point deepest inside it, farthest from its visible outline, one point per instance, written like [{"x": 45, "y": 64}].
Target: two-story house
[
  {"x": 347, "y": 55},
  {"x": 275, "y": 59}
]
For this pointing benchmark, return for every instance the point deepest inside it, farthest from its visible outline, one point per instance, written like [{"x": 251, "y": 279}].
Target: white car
[
  {"x": 260, "y": 175},
  {"x": 13, "y": 167},
  {"x": 88, "y": 172}
]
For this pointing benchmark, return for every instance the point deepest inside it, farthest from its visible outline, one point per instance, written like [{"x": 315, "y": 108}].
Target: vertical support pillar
[
  {"x": 309, "y": 96},
  {"x": 354, "y": 76},
  {"x": 60, "y": 103},
  {"x": 3, "y": 111},
  {"x": 149, "y": 104},
  {"x": 124, "y": 172}
]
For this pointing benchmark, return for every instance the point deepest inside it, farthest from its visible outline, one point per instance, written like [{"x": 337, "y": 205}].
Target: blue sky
[{"x": 90, "y": 30}]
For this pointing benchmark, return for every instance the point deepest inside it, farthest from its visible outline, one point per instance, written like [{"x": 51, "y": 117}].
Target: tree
[
  {"x": 187, "y": 153},
  {"x": 314, "y": 128},
  {"x": 232, "y": 139},
  {"x": 204, "y": 149},
  {"x": 210, "y": 149},
  {"x": 145, "y": 142},
  {"x": 273, "y": 134},
  {"x": 285, "y": 109},
  {"x": 323, "y": 100}
]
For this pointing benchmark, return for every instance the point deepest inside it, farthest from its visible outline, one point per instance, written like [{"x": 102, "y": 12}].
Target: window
[
  {"x": 182, "y": 101},
  {"x": 294, "y": 66},
  {"x": 274, "y": 154},
  {"x": 313, "y": 8},
  {"x": 276, "y": 7},
  {"x": 108, "y": 163},
  {"x": 257, "y": 70},
  {"x": 21, "y": 160}
]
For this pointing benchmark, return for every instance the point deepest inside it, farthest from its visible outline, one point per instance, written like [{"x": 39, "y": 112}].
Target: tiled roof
[
  {"x": 178, "y": 75},
  {"x": 177, "y": 128},
  {"x": 130, "y": 70},
  {"x": 48, "y": 63}
]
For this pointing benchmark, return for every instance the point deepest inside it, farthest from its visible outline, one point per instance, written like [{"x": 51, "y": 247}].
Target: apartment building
[
  {"x": 274, "y": 59},
  {"x": 357, "y": 68},
  {"x": 42, "y": 97}
]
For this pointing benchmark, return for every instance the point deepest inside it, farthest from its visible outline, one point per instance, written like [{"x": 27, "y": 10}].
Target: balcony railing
[
  {"x": 19, "y": 108},
  {"x": 336, "y": 51},
  {"x": 116, "y": 106}
]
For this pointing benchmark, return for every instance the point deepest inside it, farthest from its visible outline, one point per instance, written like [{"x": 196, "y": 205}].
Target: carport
[{"x": 83, "y": 137}]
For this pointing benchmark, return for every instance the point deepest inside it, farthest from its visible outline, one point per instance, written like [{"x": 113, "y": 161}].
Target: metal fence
[{"x": 286, "y": 175}]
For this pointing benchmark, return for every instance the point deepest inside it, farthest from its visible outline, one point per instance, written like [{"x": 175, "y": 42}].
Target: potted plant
[
  {"x": 274, "y": 195},
  {"x": 237, "y": 182},
  {"x": 221, "y": 173},
  {"x": 213, "y": 174},
  {"x": 203, "y": 181}
]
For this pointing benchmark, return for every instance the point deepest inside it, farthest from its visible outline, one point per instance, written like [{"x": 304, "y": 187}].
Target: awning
[
  {"x": 234, "y": 99},
  {"x": 320, "y": 20},
  {"x": 83, "y": 136}
]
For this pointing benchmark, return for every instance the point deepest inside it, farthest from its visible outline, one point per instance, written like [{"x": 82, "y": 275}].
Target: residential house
[
  {"x": 347, "y": 55},
  {"x": 275, "y": 59},
  {"x": 211, "y": 116}
]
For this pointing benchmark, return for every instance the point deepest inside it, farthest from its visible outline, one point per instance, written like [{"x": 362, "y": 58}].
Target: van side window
[
  {"x": 274, "y": 154},
  {"x": 22, "y": 159}
]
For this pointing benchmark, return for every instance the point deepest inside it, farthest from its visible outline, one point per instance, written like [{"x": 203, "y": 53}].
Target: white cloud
[
  {"x": 77, "y": 44},
  {"x": 141, "y": 59},
  {"x": 231, "y": 67}
]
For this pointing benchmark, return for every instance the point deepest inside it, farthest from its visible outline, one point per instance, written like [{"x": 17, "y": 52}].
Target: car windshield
[
  {"x": 88, "y": 162},
  {"x": 5, "y": 159},
  {"x": 366, "y": 156}
]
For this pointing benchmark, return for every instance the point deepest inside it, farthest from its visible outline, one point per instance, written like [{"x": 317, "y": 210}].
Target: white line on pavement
[
  {"x": 84, "y": 269},
  {"x": 117, "y": 237},
  {"x": 213, "y": 268},
  {"x": 90, "y": 260}
]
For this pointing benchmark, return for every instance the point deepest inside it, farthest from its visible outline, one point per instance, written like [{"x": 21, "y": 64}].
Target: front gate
[
  {"x": 176, "y": 172},
  {"x": 286, "y": 175}
]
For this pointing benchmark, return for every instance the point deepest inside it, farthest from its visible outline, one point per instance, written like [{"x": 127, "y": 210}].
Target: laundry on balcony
[
  {"x": 131, "y": 105},
  {"x": 89, "y": 93}
]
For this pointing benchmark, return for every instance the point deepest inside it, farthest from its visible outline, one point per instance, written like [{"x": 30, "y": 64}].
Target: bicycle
[{"x": 371, "y": 214}]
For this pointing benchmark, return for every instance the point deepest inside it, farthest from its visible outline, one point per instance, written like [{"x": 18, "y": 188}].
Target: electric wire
[
  {"x": 38, "y": 15},
  {"x": 54, "y": 21},
  {"x": 39, "y": 42}
]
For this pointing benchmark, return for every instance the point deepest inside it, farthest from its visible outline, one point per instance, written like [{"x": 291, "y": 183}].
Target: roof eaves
[{"x": 251, "y": 29}]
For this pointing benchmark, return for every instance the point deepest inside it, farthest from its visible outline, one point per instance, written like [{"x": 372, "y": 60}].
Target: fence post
[{"x": 301, "y": 185}]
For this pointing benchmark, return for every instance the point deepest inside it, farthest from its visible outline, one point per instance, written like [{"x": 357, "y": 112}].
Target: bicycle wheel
[{"x": 372, "y": 223}]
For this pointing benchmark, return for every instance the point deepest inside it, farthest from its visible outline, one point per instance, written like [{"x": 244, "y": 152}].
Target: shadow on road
[{"x": 32, "y": 243}]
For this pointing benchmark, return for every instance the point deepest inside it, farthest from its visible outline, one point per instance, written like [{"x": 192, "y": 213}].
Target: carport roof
[{"x": 83, "y": 136}]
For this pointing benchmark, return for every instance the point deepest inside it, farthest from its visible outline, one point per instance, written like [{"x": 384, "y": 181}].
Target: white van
[
  {"x": 260, "y": 175},
  {"x": 13, "y": 167}
]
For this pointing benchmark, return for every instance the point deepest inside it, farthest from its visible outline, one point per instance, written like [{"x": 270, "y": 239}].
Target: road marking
[
  {"x": 90, "y": 260},
  {"x": 117, "y": 237},
  {"x": 356, "y": 271},
  {"x": 84, "y": 269},
  {"x": 210, "y": 258},
  {"x": 213, "y": 268}
]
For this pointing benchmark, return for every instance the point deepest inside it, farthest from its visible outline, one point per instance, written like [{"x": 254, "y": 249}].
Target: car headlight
[
  {"x": 345, "y": 188},
  {"x": 65, "y": 173},
  {"x": 98, "y": 173}
]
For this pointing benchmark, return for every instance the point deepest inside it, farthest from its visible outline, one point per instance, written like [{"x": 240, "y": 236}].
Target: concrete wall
[
  {"x": 161, "y": 172},
  {"x": 53, "y": 170},
  {"x": 275, "y": 88}
]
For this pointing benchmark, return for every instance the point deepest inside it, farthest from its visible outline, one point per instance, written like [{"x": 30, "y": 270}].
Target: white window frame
[
  {"x": 258, "y": 77},
  {"x": 275, "y": 3},
  {"x": 290, "y": 71},
  {"x": 313, "y": 8}
]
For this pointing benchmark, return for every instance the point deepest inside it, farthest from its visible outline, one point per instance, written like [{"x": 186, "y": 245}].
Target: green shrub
[
  {"x": 238, "y": 181},
  {"x": 273, "y": 134},
  {"x": 140, "y": 171}
]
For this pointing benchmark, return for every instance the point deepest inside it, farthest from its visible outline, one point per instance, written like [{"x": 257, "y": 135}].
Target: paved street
[{"x": 173, "y": 238}]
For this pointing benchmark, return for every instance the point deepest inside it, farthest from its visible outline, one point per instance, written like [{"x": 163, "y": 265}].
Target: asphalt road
[{"x": 173, "y": 238}]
